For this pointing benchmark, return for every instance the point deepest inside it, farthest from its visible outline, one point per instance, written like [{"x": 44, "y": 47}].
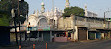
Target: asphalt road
[
  {"x": 101, "y": 44},
  {"x": 104, "y": 44}
]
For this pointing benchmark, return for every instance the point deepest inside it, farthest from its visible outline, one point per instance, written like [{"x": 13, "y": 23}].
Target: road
[
  {"x": 101, "y": 44},
  {"x": 90, "y": 45}
]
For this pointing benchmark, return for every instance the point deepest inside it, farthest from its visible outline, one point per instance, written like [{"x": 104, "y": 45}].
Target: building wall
[
  {"x": 13, "y": 37},
  {"x": 65, "y": 23},
  {"x": 110, "y": 25},
  {"x": 94, "y": 23},
  {"x": 61, "y": 23},
  {"x": 88, "y": 22},
  {"x": 91, "y": 14},
  {"x": 76, "y": 34},
  {"x": 102, "y": 35}
]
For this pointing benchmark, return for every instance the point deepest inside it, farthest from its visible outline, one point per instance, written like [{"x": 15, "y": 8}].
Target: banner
[{"x": 39, "y": 28}]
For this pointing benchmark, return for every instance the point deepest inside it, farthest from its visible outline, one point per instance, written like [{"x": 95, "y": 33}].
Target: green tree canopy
[
  {"x": 5, "y": 10},
  {"x": 77, "y": 11}
]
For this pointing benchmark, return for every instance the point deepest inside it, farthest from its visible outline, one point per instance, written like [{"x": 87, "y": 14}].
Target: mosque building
[{"x": 41, "y": 18}]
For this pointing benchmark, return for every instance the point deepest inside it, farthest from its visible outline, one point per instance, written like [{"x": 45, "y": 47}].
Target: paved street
[
  {"x": 91, "y": 45},
  {"x": 102, "y": 44}
]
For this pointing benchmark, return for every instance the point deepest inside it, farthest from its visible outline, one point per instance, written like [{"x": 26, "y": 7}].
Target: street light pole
[
  {"x": 19, "y": 22},
  {"x": 15, "y": 30},
  {"x": 105, "y": 19},
  {"x": 20, "y": 32}
]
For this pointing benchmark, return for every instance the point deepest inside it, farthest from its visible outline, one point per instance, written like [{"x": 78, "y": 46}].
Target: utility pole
[
  {"x": 104, "y": 20},
  {"x": 27, "y": 23},
  {"x": 109, "y": 28},
  {"x": 20, "y": 32},
  {"x": 19, "y": 23},
  {"x": 15, "y": 30}
]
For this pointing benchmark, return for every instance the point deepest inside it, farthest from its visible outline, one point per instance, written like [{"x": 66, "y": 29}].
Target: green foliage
[
  {"x": 21, "y": 19},
  {"x": 5, "y": 11},
  {"x": 4, "y": 21},
  {"x": 108, "y": 19},
  {"x": 5, "y": 7},
  {"x": 77, "y": 11},
  {"x": 23, "y": 8}
]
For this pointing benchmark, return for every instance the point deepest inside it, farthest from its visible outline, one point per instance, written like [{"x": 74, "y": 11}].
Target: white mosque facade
[{"x": 44, "y": 18}]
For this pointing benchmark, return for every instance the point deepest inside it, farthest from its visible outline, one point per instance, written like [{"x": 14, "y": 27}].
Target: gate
[{"x": 82, "y": 34}]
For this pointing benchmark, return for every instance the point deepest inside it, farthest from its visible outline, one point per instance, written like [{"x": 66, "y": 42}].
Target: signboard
[
  {"x": 39, "y": 28},
  {"x": 44, "y": 28},
  {"x": 31, "y": 28}
]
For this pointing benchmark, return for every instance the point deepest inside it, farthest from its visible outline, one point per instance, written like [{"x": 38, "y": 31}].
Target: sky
[{"x": 96, "y": 6}]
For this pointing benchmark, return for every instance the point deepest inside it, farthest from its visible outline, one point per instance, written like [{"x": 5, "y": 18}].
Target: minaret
[
  {"x": 67, "y": 4},
  {"x": 86, "y": 14},
  {"x": 42, "y": 7},
  {"x": 37, "y": 12},
  {"x": 34, "y": 12}
]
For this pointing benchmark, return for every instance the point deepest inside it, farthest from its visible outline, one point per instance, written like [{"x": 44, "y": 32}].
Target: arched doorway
[{"x": 43, "y": 22}]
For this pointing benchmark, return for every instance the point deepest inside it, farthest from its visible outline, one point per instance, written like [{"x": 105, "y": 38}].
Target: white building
[
  {"x": 89, "y": 13},
  {"x": 44, "y": 18}
]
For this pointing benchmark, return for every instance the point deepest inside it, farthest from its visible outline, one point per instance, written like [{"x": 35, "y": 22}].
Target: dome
[
  {"x": 85, "y": 6},
  {"x": 42, "y": 3}
]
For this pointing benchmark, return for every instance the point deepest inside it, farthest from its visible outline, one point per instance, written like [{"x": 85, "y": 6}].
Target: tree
[
  {"x": 23, "y": 10},
  {"x": 4, "y": 13},
  {"x": 6, "y": 7},
  {"x": 77, "y": 11}
]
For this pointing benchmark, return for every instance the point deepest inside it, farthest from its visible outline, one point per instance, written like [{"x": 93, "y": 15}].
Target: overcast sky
[{"x": 96, "y": 6}]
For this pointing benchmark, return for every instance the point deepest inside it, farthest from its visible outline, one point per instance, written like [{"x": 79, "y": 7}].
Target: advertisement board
[{"x": 39, "y": 28}]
